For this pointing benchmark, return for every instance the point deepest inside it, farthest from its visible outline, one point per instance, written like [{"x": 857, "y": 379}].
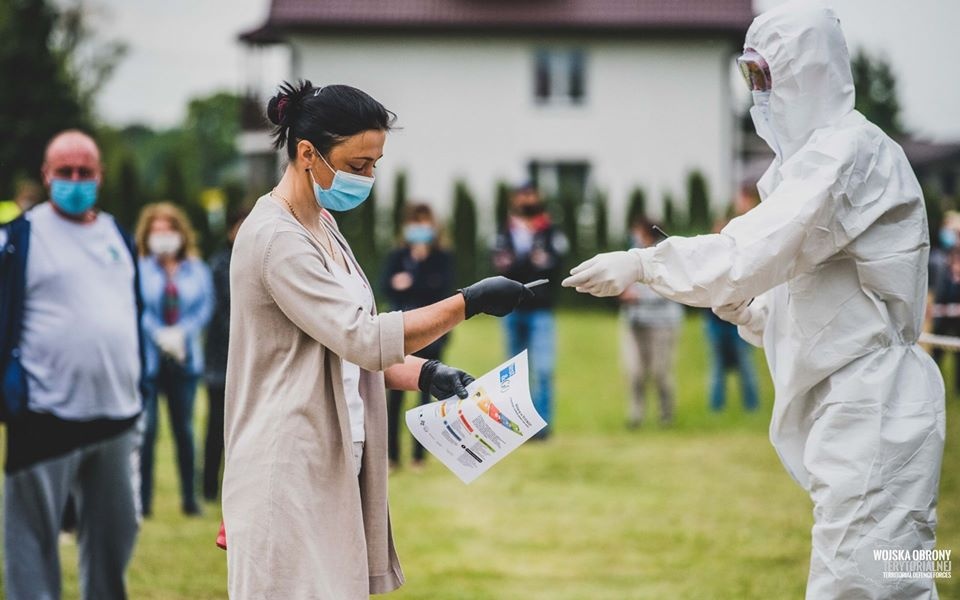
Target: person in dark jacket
[
  {"x": 529, "y": 247},
  {"x": 215, "y": 373},
  {"x": 71, "y": 364},
  {"x": 417, "y": 273}
]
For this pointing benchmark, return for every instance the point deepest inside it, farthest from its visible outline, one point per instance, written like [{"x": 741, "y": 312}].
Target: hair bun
[
  {"x": 282, "y": 107},
  {"x": 276, "y": 108}
]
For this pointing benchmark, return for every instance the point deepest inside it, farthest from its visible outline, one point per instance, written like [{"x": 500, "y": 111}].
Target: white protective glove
[
  {"x": 606, "y": 274},
  {"x": 172, "y": 341},
  {"x": 750, "y": 319}
]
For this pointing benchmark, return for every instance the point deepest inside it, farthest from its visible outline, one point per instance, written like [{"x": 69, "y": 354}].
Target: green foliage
[
  {"x": 600, "y": 223},
  {"x": 212, "y": 126},
  {"x": 671, "y": 221},
  {"x": 698, "y": 203},
  {"x": 38, "y": 94},
  {"x": 359, "y": 227},
  {"x": 876, "y": 87},
  {"x": 637, "y": 206},
  {"x": 399, "y": 201},
  {"x": 122, "y": 194},
  {"x": 464, "y": 234},
  {"x": 88, "y": 59}
]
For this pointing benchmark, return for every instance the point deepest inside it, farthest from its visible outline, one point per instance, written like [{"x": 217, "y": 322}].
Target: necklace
[{"x": 329, "y": 246}]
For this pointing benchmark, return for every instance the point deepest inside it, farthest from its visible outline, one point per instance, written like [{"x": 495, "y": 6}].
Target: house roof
[
  {"x": 729, "y": 17},
  {"x": 923, "y": 154}
]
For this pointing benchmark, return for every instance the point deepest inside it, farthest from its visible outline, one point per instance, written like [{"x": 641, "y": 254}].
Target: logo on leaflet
[{"x": 505, "y": 374}]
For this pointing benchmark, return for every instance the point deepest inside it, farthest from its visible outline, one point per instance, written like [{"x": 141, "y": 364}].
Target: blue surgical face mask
[
  {"x": 347, "y": 191},
  {"x": 948, "y": 238},
  {"x": 418, "y": 234},
  {"x": 74, "y": 197}
]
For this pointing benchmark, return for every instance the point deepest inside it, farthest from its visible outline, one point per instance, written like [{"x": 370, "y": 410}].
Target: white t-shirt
[
  {"x": 357, "y": 288},
  {"x": 79, "y": 345}
]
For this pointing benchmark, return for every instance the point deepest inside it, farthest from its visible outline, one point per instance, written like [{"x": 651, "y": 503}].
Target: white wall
[{"x": 655, "y": 109}]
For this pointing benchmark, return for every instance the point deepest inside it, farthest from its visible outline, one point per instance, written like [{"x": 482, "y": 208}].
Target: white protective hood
[{"x": 810, "y": 67}]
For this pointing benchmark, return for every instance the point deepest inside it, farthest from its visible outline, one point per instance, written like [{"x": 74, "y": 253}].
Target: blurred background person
[
  {"x": 71, "y": 381},
  {"x": 948, "y": 237},
  {"x": 946, "y": 309},
  {"x": 215, "y": 363},
  {"x": 416, "y": 274},
  {"x": 28, "y": 195},
  {"x": 729, "y": 351},
  {"x": 529, "y": 247},
  {"x": 649, "y": 325},
  {"x": 178, "y": 300}
]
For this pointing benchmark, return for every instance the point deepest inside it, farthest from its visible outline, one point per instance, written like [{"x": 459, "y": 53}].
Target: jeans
[
  {"x": 728, "y": 349},
  {"x": 213, "y": 444},
  {"x": 180, "y": 387},
  {"x": 534, "y": 330}
]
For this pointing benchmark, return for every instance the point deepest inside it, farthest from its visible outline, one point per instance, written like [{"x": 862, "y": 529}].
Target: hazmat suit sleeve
[{"x": 805, "y": 220}]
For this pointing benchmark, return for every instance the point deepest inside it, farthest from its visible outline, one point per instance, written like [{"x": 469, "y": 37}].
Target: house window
[
  {"x": 563, "y": 181},
  {"x": 559, "y": 76}
]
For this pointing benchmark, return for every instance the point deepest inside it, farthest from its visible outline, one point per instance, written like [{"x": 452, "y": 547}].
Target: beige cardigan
[{"x": 299, "y": 526}]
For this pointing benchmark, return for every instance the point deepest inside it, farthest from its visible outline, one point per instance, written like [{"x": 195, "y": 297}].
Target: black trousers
[{"x": 395, "y": 411}]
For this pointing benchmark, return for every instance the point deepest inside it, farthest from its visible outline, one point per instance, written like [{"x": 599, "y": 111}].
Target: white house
[{"x": 601, "y": 95}]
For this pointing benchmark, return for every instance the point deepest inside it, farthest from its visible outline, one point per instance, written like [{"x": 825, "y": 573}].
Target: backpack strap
[{"x": 131, "y": 245}]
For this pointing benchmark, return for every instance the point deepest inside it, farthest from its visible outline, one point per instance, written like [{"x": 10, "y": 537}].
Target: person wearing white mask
[
  {"x": 178, "y": 298},
  {"x": 835, "y": 261}
]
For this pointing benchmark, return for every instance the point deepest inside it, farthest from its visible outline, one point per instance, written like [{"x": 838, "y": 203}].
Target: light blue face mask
[
  {"x": 74, "y": 197},
  {"x": 347, "y": 191},
  {"x": 948, "y": 238},
  {"x": 418, "y": 234}
]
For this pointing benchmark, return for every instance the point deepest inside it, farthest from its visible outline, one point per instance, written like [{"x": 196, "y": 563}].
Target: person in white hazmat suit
[{"x": 835, "y": 257}]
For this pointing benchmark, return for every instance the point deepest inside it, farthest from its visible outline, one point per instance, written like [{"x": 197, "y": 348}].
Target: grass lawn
[{"x": 700, "y": 510}]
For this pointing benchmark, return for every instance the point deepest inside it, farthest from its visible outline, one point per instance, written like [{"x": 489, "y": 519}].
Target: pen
[
  {"x": 660, "y": 231},
  {"x": 534, "y": 284}
]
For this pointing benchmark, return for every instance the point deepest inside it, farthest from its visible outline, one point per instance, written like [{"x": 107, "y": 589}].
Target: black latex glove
[
  {"x": 496, "y": 296},
  {"x": 442, "y": 381}
]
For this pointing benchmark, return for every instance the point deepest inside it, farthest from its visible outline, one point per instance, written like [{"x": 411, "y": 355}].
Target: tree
[
  {"x": 670, "y": 220},
  {"x": 876, "y": 88},
  {"x": 637, "y": 206},
  {"x": 38, "y": 97},
  {"x": 698, "y": 202},
  {"x": 212, "y": 126},
  {"x": 464, "y": 234},
  {"x": 89, "y": 61},
  {"x": 129, "y": 200},
  {"x": 399, "y": 201},
  {"x": 501, "y": 204},
  {"x": 600, "y": 222},
  {"x": 359, "y": 228}
]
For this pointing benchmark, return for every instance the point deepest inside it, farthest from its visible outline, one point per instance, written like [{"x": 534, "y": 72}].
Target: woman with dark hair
[
  {"x": 305, "y": 481},
  {"x": 417, "y": 273}
]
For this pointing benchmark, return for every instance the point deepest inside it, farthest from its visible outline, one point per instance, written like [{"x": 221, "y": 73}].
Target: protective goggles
[{"x": 755, "y": 71}]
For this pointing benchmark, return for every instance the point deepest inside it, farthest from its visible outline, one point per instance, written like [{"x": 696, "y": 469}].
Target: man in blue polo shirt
[{"x": 78, "y": 350}]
